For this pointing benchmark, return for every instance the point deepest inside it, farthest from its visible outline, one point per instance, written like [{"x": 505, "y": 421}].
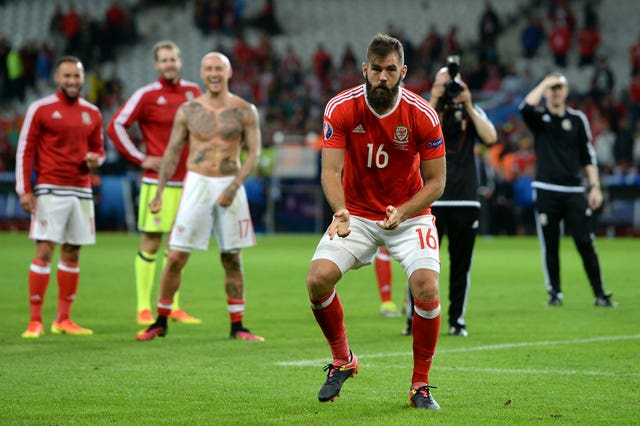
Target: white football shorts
[
  {"x": 414, "y": 244},
  {"x": 63, "y": 214},
  {"x": 199, "y": 214}
]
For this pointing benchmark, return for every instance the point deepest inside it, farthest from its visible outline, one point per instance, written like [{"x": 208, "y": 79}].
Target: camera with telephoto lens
[{"x": 452, "y": 88}]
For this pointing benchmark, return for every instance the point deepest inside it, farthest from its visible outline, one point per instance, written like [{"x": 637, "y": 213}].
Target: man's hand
[
  {"x": 595, "y": 198},
  {"x": 92, "y": 160},
  {"x": 28, "y": 202},
  {"x": 156, "y": 204},
  {"x": 393, "y": 219},
  {"x": 464, "y": 97},
  {"x": 226, "y": 197},
  {"x": 340, "y": 224},
  {"x": 151, "y": 162},
  {"x": 553, "y": 80}
]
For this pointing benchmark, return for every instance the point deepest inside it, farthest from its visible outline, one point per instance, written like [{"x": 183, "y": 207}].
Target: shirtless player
[{"x": 218, "y": 125}]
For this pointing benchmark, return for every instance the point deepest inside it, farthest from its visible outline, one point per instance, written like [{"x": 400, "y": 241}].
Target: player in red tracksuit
[
  {"x": 153, "y": 107},
  {"x": 60, "y": 141}
]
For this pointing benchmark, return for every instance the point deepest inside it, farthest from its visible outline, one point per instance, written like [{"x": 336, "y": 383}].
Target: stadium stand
[{"x": 340, "y": 25}]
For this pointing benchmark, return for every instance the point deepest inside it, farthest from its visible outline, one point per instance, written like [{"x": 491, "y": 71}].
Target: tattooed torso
[{"x": 215, "y": 138}]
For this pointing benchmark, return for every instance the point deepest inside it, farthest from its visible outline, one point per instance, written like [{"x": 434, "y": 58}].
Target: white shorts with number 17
[
  {"x": 199, "y": 214},
  {"x": 414, "y": 244}
]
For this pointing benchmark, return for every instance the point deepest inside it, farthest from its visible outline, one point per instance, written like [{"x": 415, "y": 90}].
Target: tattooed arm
[
  {"x": 252, "y": 141},
  {"x": 171, "y": 157}
]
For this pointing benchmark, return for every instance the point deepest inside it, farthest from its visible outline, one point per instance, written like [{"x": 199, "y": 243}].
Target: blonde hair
[{"x": 165, "y": 44}]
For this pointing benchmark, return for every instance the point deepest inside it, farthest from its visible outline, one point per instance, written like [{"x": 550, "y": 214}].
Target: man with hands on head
[{"x": 564, "y": 158}]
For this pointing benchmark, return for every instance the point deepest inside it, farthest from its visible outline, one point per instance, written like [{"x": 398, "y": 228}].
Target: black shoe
[
  {"x": 555, "y": 299},
  {"x": 336, "y": 376},
  {"x": 605, "y": 301},
  {"x": 420, "y": 397},
  {"x": 407, "y": 331},
  {"x": 456, "y": 330}
]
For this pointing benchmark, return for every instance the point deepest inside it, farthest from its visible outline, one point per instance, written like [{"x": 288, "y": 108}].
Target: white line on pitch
[
  {"x": 315, "y": 362},
  {"x": 530, "y": 371}
]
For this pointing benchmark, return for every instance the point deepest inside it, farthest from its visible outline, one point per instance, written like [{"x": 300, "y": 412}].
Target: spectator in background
[
  {"x": 291, "y": 70},
  {"x": 634, "y": 98},
  {"x": 560, "y": 12},
  {"x": 15, "y": 88},
  {"x": 153, "y": 107},
  {"x": 493, "y": 80},
  {"x": 602, "y": 80},
  {"x": 523, "y": 209},
  {"x": 635, "y": 152},
  {"x": 489, "y": 26},
  {"x": 61, "y": 140},
  {"x": 430, "y": 49},
  {"x": 115, "y": 17},
  {"x": 560, "y": 42},
  {"x": 44, "y": 66},
  {"x": 623, "y": 147},
  {"x": 590, "y": 13},
  {"x": 453, "y": 46},
  {"x": 5, "y": 48},
  {"x": 70, "y": 26},
  {"x": 603, "y": 145},
  {"x": 7, "y": 154},
  {"x": 322, "y": 62},
  {"x": 634, "y": 55},
  {"x": 267, "y": 19},
  {"x": 588, "y": 43},
  {"x": 532, "y": 36}
]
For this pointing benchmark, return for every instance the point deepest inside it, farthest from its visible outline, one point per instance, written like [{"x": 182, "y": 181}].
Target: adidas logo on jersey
[
  {"x": 359, "y": 129},
  {"x": 161, "y": 101},
  {"x": 56, "y": 114}
]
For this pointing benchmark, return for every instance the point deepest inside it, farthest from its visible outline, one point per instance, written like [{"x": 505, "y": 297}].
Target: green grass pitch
[{"x": 523, "y": 363}]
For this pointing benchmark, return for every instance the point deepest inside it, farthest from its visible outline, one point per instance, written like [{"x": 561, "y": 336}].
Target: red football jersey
[
  {"x": 54, "y": 140},
  {"x": 382, "y": 152},
  {"x": 153, "y": 107}
]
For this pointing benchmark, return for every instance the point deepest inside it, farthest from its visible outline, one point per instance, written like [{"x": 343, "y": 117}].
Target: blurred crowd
[{"x": 291, "y": 90}]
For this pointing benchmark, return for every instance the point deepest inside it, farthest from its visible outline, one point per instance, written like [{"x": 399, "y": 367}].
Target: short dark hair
[
  {"x": 68, "y": 58},
  {"x": 382, "y": 45}
]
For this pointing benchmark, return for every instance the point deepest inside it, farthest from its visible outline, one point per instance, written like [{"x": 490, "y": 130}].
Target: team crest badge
[
  {"x": 401, "y": 134},
  {"x": 86, "y": 118},
  {"x": 400, "y": 138},
  {"x": 566, "y": 124},
  {"x": 43, "y": 223},
  {"x": 180, "y": 229},
  {"x": 189, "y": 95}
]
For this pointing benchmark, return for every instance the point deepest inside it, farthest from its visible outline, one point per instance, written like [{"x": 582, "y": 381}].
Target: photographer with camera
[{"x": 457, "y": 211}]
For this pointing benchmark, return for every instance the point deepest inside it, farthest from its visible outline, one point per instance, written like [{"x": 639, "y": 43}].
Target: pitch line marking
[
  {"x": 315, "y": 362},
  {"x": 545, "y": 371}
]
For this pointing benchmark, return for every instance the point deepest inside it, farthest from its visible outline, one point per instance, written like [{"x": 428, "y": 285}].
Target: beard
[
  {"x": 68, "y": 95},
  {"x": 381, "y": 96}
]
